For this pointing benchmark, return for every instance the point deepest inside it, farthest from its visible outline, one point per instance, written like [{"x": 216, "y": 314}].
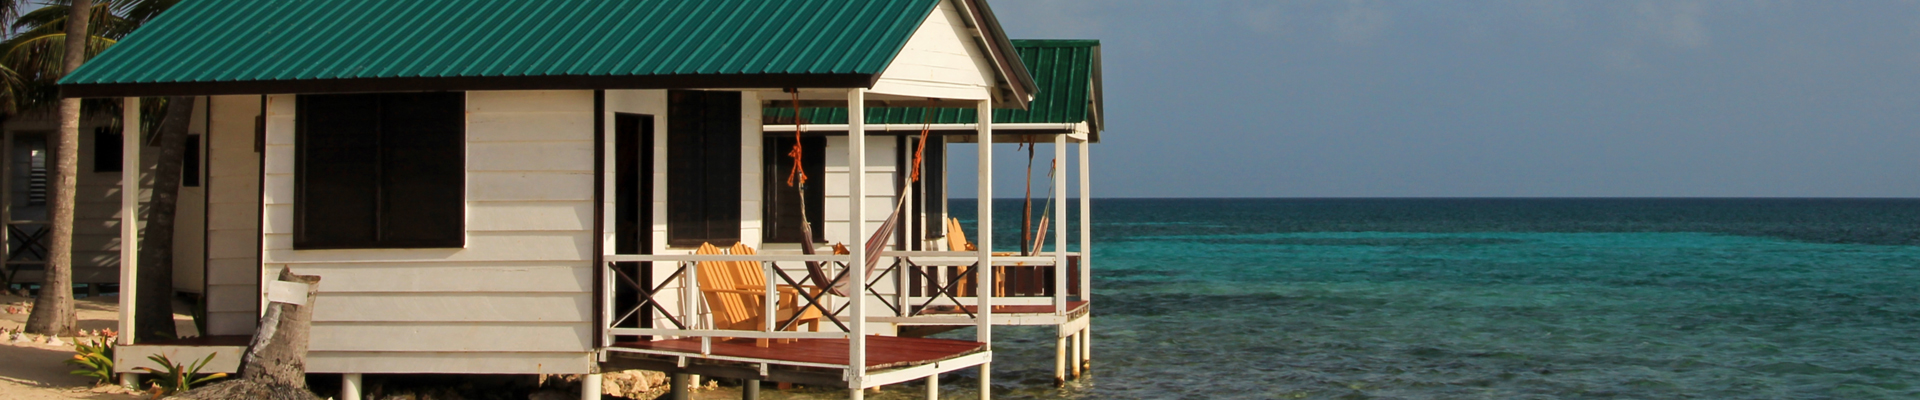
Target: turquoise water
[{"x": 1487, "y": 299}]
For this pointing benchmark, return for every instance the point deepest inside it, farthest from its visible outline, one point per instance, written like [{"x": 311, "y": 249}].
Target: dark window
[
  {"x": 703, "y": 168},
  {"x": 106, "y": 149},
  {"x": 190, "y": 163},
  {"x": 783, "y": 203},
  {"x": 932, "y": 198},
  {"x": 380, "y": 171}
]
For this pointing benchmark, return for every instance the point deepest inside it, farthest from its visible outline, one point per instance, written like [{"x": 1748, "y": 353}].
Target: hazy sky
[{"x": 1492, "y": 98}]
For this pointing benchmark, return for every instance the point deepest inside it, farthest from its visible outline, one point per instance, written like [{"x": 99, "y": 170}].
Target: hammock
[{"x": 875, "y": 244}]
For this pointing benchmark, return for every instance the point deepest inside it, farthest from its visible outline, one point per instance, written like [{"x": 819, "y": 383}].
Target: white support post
[
  {"x": 1060, "y": 224},
  {"x": 1086, "y": 246},
  {"x": 129, "y": 214},
  {"x": 589, "y": 387},
  {"x": 856, "y": 240},
  {"x": 1086, "y": 347},
  {"x": 933, "y": 386},
  {"x": 1086, "y": 225},
  {"x": 1060, "y": 358},
  {"x": 1073, "y": 349},
  {"x": 350, "y": 387},
  {"x": 984, "y": 277}
]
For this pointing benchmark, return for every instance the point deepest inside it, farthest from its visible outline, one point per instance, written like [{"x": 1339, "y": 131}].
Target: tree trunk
[
  {"x": 153, "y": 312},
  {"x": 53, "y": 309},
  {"x": 275, "y": 366}
]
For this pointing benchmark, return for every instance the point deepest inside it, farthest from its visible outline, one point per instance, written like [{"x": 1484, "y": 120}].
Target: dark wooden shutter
[
  {"x": 423, "y": 169},
  {"x": 782, "y": 202},
  {"x": 190, "y": 163},
  {"x": 106, "y": 149},
  {"x": 338, "y": 152},
  {"x": 380, "y": 171},
  {"x": 932, "y": 204},
  {"x": 703, "y": 168}
]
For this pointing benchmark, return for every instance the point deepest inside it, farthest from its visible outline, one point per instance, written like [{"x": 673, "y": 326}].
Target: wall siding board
[
  {"x": 418, "y": 307},
  {"x": 492, "y": 336},
  {"x": 424, "y": 362},
  {"x": 492, "y": 277}
]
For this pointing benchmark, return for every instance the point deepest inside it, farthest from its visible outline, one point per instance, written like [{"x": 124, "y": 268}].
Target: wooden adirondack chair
[{"x": 734, "y": 291}]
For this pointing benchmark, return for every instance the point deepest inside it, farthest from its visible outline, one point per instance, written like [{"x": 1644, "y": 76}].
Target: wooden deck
[
  {"x": 1074, "y": 308},
  {"x": 882, "y": 351}
]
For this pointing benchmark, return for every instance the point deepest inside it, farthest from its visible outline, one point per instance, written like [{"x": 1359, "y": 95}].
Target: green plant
[
  {"x": 178, "y": 378},
  {"x": 94, "y": 357}
]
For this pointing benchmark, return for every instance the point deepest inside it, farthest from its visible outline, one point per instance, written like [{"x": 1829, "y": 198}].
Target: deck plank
[
  {"x": 1073, "y": 308},
  {"x": 882, "y": 351}
]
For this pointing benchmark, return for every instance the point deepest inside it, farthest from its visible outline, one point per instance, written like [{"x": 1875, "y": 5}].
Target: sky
[{"x": 1490, "y": 98}]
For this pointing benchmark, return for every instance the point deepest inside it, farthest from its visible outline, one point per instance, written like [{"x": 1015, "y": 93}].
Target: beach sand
[{"x": 32, "y": 371}]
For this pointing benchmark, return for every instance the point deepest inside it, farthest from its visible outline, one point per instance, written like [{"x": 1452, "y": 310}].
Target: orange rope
[
  {"x": 919, "y": 153},
  {"x": 798, "y": 170}
]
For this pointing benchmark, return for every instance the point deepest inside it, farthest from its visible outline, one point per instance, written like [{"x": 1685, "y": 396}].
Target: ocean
[{"x": 1483, "y": 298}]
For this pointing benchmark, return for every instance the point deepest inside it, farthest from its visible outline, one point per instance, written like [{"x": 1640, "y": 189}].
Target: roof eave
[
  {"x": 446, "y": 84},
  {"x": 1018, "y": 87}
]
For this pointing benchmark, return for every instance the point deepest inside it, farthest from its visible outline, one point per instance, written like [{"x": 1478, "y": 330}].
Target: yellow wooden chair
[{"x": 735, "y": 291}]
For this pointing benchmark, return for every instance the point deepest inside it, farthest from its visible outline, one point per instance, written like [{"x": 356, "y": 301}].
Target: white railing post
[
  {"x": 984, "y": 274},
  {"x": 773, "y": 294},
  {"x": 689, "y": 294},
  {"x": 856, "y": 241}
]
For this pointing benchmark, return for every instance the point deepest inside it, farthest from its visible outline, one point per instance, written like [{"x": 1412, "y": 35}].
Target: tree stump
[{"x": 275, "y": 366}]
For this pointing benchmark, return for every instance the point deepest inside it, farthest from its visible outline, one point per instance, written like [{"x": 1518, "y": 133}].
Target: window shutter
[
  {"x": 703, "y": 167},
  {"x": 380, "y": 171}
]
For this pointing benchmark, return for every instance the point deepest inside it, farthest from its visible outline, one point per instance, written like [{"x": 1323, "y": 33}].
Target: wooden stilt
[
  {"x": 1073, "y": 350},
  {"x": 1086, "y": 348},
  {"x": 590, "y": 387},
  {"x": 857, "y": 394},
  {"x": 350, "y": 387},
  {"x": 933, "y": 387},
  {"x": 677, "y": 387},
  {"x": 750, "y": 389},
  {"x": 1060, "y": 360},
  {"x": 986, "y": 377}
]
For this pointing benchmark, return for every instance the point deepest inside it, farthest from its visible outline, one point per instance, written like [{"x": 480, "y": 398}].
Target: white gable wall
[{"x": 941, "y": 60}]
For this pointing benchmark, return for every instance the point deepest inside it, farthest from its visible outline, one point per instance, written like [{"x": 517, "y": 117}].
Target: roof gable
[
  {"x": 1067, "y": 73},
  {"x": 316, "y": 46}
]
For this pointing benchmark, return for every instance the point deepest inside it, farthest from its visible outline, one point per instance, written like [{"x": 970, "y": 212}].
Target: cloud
[
  {"x": 1346, "y": 21},
  {"x": 1361, "y": 21},
  {"x": 1673, "y": 23}
]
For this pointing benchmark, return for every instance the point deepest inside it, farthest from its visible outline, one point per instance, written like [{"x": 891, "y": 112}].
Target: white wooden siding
[
  {"x": 520, "y": 290},
  {"x": 190, "y": 216},
  {"x": 233, "y": 227},
  {"x": 940, "y": 60},
  {"x": 96, "y": 233}
]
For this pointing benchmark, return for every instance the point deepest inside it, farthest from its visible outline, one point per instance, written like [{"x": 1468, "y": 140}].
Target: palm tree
[
  {"x": 32, "y": 52},
  {"x": 53, "y": 310}
]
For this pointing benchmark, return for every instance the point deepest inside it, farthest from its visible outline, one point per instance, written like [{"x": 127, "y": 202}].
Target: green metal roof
[
  {"x": 1067, "y": 72},
  {"x": 300, "y": 46}
]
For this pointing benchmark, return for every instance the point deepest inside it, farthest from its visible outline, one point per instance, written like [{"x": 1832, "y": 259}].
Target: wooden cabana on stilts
[
  {"x": 931, "y": 286},
  {"x": 522, "y": 186}
]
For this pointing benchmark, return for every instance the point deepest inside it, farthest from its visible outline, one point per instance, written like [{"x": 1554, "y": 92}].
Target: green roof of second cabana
[{"x": 1067, "y": 73}]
